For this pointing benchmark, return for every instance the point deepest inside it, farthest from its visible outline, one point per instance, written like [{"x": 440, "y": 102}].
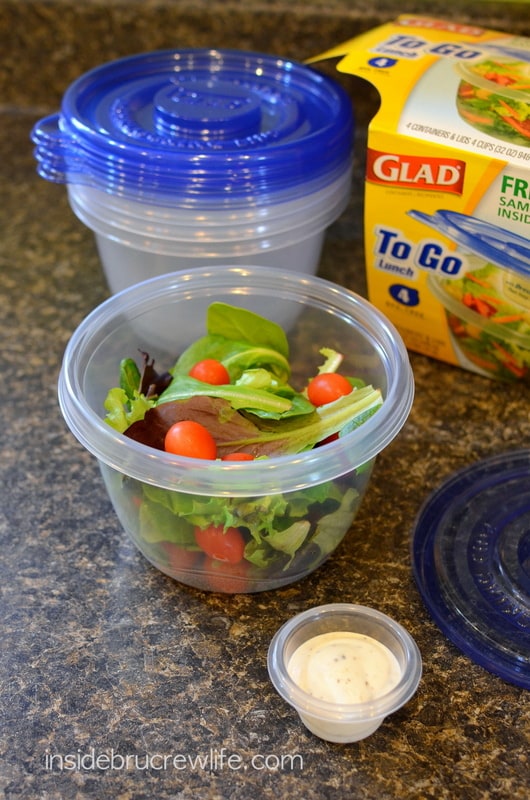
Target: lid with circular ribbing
[
  {"x": 471, "y": 561},
  {"x": 199, "y": 125}
]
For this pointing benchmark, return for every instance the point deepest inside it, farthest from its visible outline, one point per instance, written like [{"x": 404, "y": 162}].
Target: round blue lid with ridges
[
  {"x": 197, "y": 125},
  {"x": 471, "y": 562}
]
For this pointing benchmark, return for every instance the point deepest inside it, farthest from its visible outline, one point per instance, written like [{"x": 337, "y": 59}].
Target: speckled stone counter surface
[{"x": 101, "y": 655}]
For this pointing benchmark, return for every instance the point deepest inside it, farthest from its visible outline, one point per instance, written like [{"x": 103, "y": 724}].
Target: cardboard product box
[{"x": 447, "y": 190}]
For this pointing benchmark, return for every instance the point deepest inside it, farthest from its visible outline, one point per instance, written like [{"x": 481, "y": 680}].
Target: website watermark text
[{"x": 213, "y": 760}]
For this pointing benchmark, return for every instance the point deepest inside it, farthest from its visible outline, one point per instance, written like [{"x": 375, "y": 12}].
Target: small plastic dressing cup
[{"x": 338, "y": 721}]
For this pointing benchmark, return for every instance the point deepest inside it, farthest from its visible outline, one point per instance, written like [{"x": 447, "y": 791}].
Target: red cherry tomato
[
  {"x": 179, "y": 558},
  {"x": 210, "y": 371},
  {"x": 332, "y": 438},
  {"x": 189, "y": 438},
  {"x": 225, "y": 577},
  {"x": 223, "y": 544},
  {"x": 238, "y": 457},
  {"x": 327, "y": 387}
]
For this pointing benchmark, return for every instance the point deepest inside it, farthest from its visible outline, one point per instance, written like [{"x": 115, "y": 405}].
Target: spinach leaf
[{"x": 243, "y": 325}]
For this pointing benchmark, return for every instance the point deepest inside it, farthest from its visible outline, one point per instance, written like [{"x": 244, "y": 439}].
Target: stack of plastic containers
[{"x": 195, "y": 157}]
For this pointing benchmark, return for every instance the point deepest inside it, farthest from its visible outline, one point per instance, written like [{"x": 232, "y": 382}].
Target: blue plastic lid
[
  {"x": 491, "y": 242},
  {"x": 198, "y": 125},
  {"x": 471, "y": 562},
  {"x": 512, "y": 47}
]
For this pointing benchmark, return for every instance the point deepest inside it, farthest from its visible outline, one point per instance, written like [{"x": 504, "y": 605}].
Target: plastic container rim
[
  {"x": 252, "y": 231},
  {"x": 272, "y": 208}
]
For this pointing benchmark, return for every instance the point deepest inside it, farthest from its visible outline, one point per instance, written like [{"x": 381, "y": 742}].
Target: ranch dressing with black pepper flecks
[{"x": 344, "y": 667}]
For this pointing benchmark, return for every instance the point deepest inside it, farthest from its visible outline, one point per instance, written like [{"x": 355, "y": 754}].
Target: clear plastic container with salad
[{"x": 238, "y": 462}]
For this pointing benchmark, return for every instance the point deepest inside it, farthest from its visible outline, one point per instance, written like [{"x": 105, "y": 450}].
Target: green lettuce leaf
[{"x": 122, "y": 409}]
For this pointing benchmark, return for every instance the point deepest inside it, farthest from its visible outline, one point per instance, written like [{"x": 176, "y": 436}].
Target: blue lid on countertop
[
  {"x": 491, "y": 242},
  {"x": 199, "y": 124},
  {"x": 471, "y": 562}
]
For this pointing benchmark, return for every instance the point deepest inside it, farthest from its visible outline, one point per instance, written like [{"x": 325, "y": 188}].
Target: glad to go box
[{"x": 447, "y": 192}]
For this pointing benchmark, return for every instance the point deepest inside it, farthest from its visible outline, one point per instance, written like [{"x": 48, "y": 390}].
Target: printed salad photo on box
[{"x": 447, "y": 189}]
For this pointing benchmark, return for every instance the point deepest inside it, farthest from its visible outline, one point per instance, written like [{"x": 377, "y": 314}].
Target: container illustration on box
[
  {"x": 488, "y": 302},
  {"x": 494, "y": 97}
]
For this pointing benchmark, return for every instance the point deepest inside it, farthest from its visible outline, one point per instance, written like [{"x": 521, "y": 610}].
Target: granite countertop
[{"x": 104, "y": 656}]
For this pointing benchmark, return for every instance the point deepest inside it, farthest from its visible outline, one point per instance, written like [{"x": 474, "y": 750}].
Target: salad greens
[
  {"x": 273, "y": 417},
  {"x": 259, "y": 413},
  {"x": 276, "y": 526}
]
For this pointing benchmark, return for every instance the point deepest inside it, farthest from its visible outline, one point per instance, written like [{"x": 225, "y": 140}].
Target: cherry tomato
[
  {"x": 189, "y": 438},
  {"x": 210, "y": 371},
  {"x": 238, "y": 457},
  {"x": 223, "y": 544},
  {"x": 327, "y": 387},
  {"x": 179, "y": 558},
  {"x": 332, "y": 438},
  {"x": 225, "y": 577}
]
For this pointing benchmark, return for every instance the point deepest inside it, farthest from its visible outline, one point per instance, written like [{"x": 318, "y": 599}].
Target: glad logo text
[{"x": 416, "y": 172}]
